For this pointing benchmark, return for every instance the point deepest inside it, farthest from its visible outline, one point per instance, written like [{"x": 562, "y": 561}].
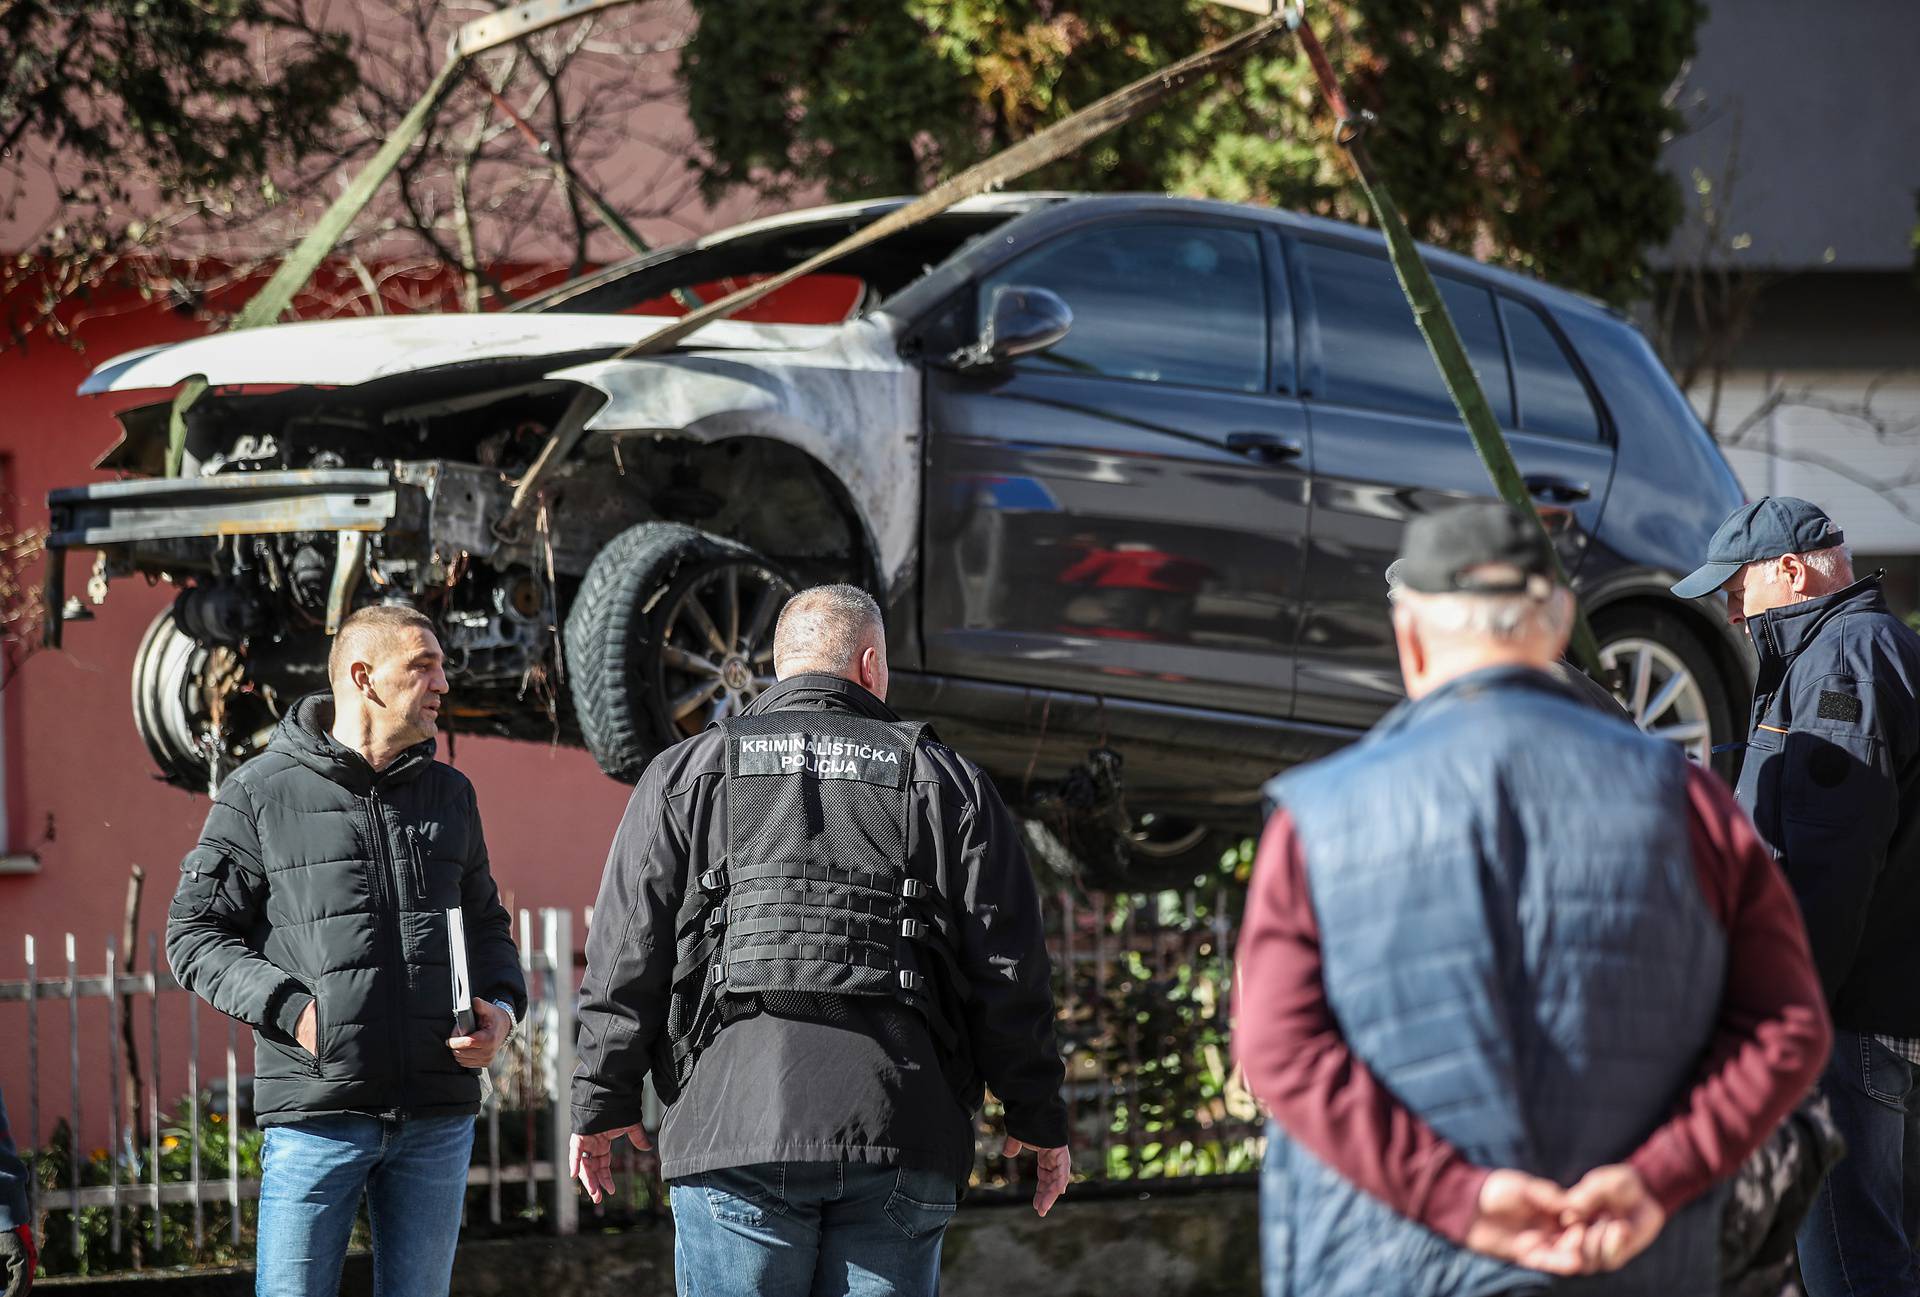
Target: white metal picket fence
[
  {"x": 1141, "y": 982},
  {"x": 535, "y": 1073}
]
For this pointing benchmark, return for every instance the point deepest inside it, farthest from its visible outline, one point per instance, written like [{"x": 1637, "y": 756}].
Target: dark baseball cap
[
  {"x": 1489, "y": 548},
  {"x": 1769, "y": 527}
]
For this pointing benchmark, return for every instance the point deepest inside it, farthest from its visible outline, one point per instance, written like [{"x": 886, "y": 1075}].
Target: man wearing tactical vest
[
  {"x": 818, "y": 932},
  {"x": 1519, "y": 986}
]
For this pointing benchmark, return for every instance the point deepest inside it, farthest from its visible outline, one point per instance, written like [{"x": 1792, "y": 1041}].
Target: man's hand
[
  {"x": 490, "y": 1028},
  {"x": 1526, "y": 1220},
  {"x": 1055, "y": 1167},
  {"x": 17, "y": 1261},
  {"x": 1622, "y": 1217},
  {"x": 307, "y": 1030},
  {"x": 590, "y": 1158}
]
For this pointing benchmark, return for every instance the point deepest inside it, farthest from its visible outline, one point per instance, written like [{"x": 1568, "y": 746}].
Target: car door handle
[
  {"x": 1263, "y": 446},
  {"x": 1560, "y": 490}
]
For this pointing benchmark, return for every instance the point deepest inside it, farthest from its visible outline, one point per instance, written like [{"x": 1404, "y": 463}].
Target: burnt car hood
[{"x": 346, "y": 353}]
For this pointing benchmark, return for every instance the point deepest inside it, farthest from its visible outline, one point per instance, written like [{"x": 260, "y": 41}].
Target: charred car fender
[{"x": 851, "y": 405}]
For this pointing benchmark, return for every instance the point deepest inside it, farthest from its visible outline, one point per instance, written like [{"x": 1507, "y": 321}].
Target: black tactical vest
[{"x": 814, "y": 896}]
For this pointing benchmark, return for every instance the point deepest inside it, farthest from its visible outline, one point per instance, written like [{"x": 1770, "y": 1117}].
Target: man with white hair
[
  {"x": 1832, "y": 779},
  {"x": 1597, "y": 695},
  {"x": 818, "y": 932},
  {"x": 1518, "y": 985}
]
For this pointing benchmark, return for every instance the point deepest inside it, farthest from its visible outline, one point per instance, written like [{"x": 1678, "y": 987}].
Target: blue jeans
[
  {"x": 1859, "y": 1240},
  {"x": 810, "y": 1229},
  {"x": 414, "y": 1174}
]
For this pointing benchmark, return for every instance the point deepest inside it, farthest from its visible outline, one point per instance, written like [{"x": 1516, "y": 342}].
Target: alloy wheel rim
[
  {"x": 1661, "y": 694},
  {"x": 716, "y": 644}
]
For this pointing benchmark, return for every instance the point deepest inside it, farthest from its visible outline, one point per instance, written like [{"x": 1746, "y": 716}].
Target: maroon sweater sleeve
[
  {"x": 1773, "y": 1035},
  {"x": 1296, "y": 1062},
  {"x": 1768, "y": 1047}
]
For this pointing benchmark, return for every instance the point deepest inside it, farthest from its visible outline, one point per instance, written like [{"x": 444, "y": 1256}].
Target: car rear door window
[
  {"x": 1159, "y": 303},
  {"x": 1552, "y": 398},
  {"x": 1371, "y": 352}
]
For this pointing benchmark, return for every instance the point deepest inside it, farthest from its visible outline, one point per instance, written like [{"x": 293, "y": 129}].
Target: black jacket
[
  {"x": 318, "y": 879},
  {"x": 13, "y": 1178},
  {"x": 1832, "y": 780},
  {"x": 864, "y": 1081}
]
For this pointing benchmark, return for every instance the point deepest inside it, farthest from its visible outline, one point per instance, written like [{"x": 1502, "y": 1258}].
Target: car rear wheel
[
  {"x": 1170, "y": 853},
  {"x": 193, "y": 709},
  {"x": 672, "y": 629},
  {"x": 1666, "y": 680}
]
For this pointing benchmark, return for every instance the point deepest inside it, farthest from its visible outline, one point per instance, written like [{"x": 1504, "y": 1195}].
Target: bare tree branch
[{"x": 473, "y": 201}]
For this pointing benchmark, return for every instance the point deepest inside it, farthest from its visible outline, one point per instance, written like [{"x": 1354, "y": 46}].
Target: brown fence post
[{"x": 134, "y": 1102}]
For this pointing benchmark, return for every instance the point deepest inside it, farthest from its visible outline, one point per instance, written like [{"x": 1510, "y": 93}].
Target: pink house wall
[{"x": 81, "y": 799}]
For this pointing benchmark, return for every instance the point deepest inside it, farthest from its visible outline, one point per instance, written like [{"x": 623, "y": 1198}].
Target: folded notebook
[{"x": 462, "y": 988}]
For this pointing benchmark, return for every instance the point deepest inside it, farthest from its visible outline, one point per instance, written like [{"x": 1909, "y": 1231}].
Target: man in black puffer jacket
[{"x": 314, "y": 909}]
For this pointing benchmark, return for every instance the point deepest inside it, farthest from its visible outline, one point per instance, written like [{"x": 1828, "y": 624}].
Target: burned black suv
[{"x": 1125, "y": 472}]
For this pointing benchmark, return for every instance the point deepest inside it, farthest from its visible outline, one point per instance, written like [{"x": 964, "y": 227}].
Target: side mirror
[{"x": 1021, "y": 321}]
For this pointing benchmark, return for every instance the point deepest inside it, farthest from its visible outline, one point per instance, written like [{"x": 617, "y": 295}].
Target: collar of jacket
[
  {"x": 817, "y": 691},
  {"x": 305, "y": 734},
  {"x": 1780, "y": 633},
  {"x": 1460, "y": 688}
]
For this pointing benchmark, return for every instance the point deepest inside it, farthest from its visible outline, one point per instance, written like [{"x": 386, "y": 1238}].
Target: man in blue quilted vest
[{"x": 1519, "y": 986}]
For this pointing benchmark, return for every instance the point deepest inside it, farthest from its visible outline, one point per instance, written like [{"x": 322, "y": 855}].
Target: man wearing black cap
[
  {"x": 1597, "y": 695},
  {"x": 1832, "y": 780},
  {"x": 1503, "y": 946}
]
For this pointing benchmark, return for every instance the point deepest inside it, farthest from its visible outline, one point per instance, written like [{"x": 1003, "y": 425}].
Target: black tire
[
  {"x": 630, "y": 660},
  {"x": 155, "y": 664},
  {"x": 173, "y": 715},
  {"x": 1621, "y": 631},
  {"x": 1159, "y": 854},
  {"x": 1167, "y": 853}
]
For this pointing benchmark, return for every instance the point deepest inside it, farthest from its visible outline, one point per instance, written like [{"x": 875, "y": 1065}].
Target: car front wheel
[{"x": 672, "y": 629}]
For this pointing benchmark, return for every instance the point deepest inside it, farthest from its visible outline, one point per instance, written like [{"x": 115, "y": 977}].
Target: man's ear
[
  {"x": 1413, "y": 654},
  {"x": 362, "y": 675},
  {"x": 1794, "y": 572},
  {"x": 870, "y": 668}
]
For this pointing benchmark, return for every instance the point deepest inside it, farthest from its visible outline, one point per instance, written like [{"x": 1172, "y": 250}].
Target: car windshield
[{"x": 676, "y": 280}]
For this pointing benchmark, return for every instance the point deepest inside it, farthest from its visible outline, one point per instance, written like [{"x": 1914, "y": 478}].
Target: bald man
[
  {"x": 817, "y": 932},
  {"x": 316, "y": 909}
]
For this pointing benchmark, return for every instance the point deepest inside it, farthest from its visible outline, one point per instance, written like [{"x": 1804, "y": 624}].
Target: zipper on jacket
[
  {"x": 389, "y": 902},
  {"x": 418, "y": 860}
]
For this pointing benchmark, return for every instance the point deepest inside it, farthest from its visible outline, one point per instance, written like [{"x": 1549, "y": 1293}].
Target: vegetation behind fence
[{"x": 1142, "y": 982}]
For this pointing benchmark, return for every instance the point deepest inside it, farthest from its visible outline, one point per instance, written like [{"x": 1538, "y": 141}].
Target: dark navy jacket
[
  {"x": 1830, "y": 780},
  {"x": 13, "y": 1178},
  {"x": 1515, "y": 943}
]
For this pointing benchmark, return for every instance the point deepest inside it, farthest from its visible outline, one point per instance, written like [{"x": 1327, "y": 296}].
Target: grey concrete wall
[
  {"x": 1826, "y": 100},
  {"x": 1164, "y": 1244}
]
